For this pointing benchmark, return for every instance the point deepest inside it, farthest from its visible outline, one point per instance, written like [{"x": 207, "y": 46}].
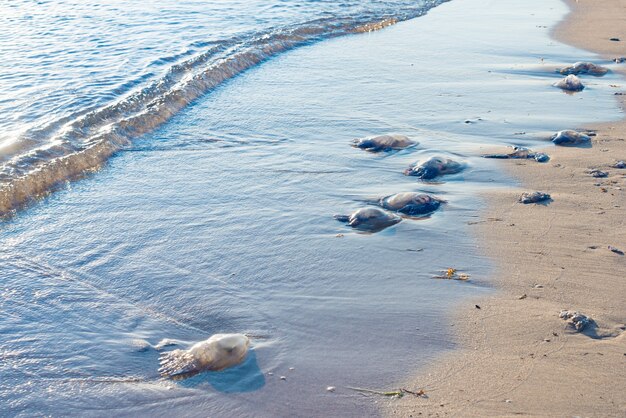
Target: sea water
[
  {"x": 80, "y": 80},
  {"x": 217, "y": 215}
]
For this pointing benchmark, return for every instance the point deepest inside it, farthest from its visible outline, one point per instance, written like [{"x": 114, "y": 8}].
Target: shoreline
[
  {"x": 515, "y": 355},
  {"x": 174, "y": 240}
]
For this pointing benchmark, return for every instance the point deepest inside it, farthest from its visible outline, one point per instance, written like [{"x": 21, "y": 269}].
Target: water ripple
[{"x": 103, "y": 74}]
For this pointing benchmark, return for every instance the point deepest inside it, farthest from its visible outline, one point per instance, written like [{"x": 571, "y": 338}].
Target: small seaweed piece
[
  {"x": 421, "y": 393},
  {"x": 396, "y": 392},
  {"x": 452, "y": 274}
]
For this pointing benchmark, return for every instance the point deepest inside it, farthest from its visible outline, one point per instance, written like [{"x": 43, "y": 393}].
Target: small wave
[{"x": 75, "y": 146}]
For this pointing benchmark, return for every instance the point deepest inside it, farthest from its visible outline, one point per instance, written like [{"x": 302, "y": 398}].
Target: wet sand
[
  {"x": 173, "y": 239},
  {"x": 516, "y": 356}
]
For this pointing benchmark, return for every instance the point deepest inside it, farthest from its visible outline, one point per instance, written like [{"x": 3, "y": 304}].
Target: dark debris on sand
[
  {"x": 534, "y": 197},
  {"x": 598, "y": 173}
]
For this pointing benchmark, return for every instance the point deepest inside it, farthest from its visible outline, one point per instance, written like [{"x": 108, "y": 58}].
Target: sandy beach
[
  {"x": 517, "y": 357},
  {"x": 215, "y": 148}
]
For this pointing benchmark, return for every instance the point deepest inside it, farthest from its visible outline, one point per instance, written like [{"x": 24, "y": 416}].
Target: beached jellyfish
[
  {"x": 534, "y": 197},
  {"x": 218, "y": 352},
  {"x": 434, "y": 167},
  {"x": 570, "y": 83},
  {"x": 370, "y": 219},
  {"x": 411, "y": 203},
  {"x": 521, "y": 153},
  {"x": 570, "y": 138},
  {"x": 383, "y": 143},
  {"x": 584, "y": 68},
  {"x": 576, "y": 320}
]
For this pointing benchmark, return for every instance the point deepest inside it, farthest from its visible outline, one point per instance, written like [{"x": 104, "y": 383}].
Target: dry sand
[{"x": 517, "y": 357}]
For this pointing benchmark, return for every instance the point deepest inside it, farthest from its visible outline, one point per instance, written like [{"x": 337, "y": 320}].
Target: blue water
[
  {"x": 218, "y": 218},
  {"x": 64, "y": 57},
  {"x": 92, "y": 77}
]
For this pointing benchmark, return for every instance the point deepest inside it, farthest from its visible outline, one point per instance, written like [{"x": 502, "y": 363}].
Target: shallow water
[
  {"x": 80, "y": 80},
  {"x": 221, "y": 221}
]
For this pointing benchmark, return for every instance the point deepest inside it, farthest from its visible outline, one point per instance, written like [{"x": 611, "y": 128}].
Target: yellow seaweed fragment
[{"x": 453, "y": 274}]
